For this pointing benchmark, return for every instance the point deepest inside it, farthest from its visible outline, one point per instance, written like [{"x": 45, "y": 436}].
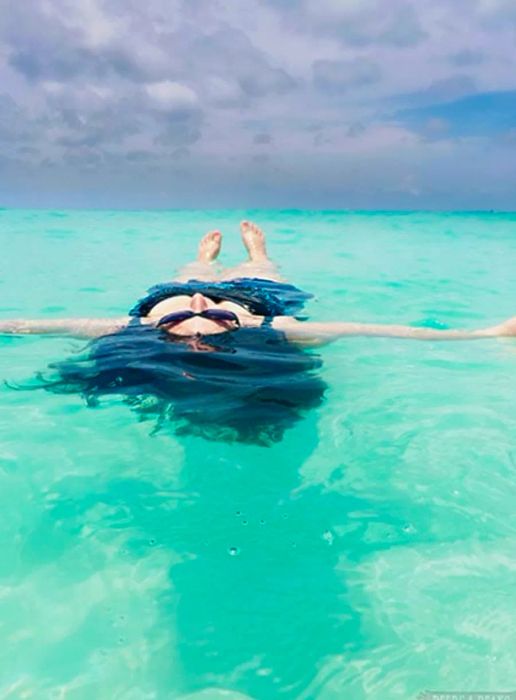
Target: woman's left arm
[{"x": 308, "y": 333}]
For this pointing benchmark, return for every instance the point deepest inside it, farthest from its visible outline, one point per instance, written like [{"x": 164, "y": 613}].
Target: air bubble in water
[{"x": 328, "y": 537}]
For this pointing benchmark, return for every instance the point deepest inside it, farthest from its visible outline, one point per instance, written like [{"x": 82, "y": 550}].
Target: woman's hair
[{"x": 249, "y": 385}]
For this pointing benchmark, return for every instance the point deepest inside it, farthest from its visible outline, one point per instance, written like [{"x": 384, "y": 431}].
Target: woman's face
[{"x": 196, "y": 325}]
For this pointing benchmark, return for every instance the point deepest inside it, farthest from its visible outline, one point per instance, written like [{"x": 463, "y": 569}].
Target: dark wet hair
[{"x": 249, "y": 385}]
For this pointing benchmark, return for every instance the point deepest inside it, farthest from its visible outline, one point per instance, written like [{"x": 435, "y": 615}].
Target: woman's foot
[
  {"x": 209, "y": 247},
  {"x": 254, "y": 241}
]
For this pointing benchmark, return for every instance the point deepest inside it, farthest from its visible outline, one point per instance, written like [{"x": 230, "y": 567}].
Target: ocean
[{"x": 368, "y": 555}]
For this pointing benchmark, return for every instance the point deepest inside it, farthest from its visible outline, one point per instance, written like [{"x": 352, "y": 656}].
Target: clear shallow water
[{"x": 370, "y": 554}]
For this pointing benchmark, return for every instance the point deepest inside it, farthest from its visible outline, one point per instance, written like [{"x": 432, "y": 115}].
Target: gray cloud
[
  {"x": 107, "y": 127},
  {"x": 14, "y": 125},
  {"x": 60, "y": 41},
  {"x": 179, "y": 132},
  {"x": 262, "y": 139},
  {"x": 261, "y": 158},
  {"x": 367, "y": 22},
  {"x": 337, "y": 76},
  {"x": 229, "y": 53},
  {"x": 495, "y": 12},
  {"x": 467, "y": 57},
  {"x": 355, "y": 130}
]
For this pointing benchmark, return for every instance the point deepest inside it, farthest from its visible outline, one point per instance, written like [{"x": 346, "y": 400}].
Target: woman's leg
[
  {"x": 258, "y": 264},
  {"x": 203, "y": 267}
]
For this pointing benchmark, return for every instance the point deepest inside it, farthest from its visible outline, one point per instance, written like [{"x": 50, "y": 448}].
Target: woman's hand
[
  {"x": 506, "y": 329},
  {"x": 75, "y": 327}
]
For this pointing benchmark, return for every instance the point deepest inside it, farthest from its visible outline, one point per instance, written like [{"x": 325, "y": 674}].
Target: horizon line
[{"x": 331, "y": 210}]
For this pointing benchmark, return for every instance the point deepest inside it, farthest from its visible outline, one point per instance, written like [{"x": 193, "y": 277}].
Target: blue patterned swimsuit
[{"x": 261, "y": 297}]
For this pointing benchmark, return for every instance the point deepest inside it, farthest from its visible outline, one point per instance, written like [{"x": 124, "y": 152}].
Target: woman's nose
[{"x": 199, "y": 303}]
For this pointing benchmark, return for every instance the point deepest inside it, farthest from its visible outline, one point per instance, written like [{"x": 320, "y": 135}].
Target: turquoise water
[{"x": 370, "y": 554}]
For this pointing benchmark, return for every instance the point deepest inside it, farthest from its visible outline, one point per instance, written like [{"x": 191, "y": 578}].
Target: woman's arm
[
  {"x": 321, "y": 333},
  {"x": 76, "y": 327}
]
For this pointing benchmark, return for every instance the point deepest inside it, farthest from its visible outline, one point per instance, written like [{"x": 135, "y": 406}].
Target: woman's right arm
[{"x": 75, "y": 327}]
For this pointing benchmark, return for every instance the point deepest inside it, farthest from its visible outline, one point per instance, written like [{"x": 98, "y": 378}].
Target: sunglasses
[{"x": 211, "y": 314}]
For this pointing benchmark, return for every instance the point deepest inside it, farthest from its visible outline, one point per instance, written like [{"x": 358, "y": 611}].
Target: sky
[{"x": 334, "y": 104}]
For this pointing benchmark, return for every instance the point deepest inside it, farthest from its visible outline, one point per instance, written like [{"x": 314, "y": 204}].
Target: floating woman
[{"x": 222, "y": 356}]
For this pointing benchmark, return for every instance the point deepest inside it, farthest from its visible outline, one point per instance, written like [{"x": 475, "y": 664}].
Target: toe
[
  {"x": 212, "y": 238},
  {"x": 256, "y": 230},
  {"x": 209, "y": 246}
]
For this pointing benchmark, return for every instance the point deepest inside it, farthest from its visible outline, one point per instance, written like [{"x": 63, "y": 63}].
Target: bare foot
[
  {"x": 254, "y": 241},
  {"x": 209, "y": 247}
]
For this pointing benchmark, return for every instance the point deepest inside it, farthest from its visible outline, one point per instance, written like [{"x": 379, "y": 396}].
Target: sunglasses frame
[{"x": 211, "y": 314}]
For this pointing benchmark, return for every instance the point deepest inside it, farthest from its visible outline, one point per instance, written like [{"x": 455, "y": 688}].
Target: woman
[{"x": 220, "y": 356}]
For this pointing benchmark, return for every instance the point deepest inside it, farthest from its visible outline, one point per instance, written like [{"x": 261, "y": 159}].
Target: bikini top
[{"x": 260, "y": 297}]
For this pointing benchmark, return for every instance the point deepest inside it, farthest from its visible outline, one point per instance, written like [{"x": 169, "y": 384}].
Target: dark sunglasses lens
[
  {"x": 221, "y": 315},
  {"x": 175, "y": 317}
]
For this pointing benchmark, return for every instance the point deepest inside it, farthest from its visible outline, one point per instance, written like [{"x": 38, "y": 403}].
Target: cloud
[
  {"x": 366, "y": 22},
  {"x": 229, "y": 55},
  {"x": 83, "y": 97},
  {"x": 179, "y": 133},
  {"x": 64, "y": 40},
  {"x": 223, "y": 92},
  {"x": 496, "y": 12},
  {"x": 172, "y": 97},
  {"x": 262, "y": 139},
  {"x": 337, "y": 76},
  {"x": 14, "y": 125},
  {"x": 467, "y": 57}
]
